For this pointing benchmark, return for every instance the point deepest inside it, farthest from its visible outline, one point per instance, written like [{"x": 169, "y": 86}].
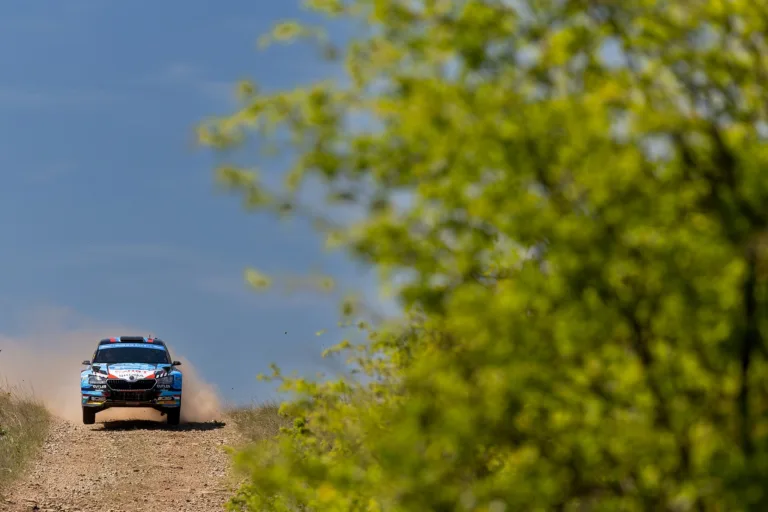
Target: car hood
[{"x": 132, "y": 371}]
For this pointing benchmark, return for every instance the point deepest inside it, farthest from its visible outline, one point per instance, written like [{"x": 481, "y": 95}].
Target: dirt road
[{"x": 125, "y": 466}]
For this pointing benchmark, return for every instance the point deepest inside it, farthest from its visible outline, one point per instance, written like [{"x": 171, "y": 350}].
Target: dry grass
[
  {"x": 24, "y": 424},
  {"x": 258, "y": 422}
]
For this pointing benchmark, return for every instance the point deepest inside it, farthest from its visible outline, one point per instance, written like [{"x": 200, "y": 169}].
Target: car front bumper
[{"x": 159, "y": 399}]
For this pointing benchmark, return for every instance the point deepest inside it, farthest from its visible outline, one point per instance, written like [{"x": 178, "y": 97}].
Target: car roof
[{"x": 132, "y": 339}]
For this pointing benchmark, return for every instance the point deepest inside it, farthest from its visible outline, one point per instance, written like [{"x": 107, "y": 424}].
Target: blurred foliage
[{"x": 571, "y": 195}]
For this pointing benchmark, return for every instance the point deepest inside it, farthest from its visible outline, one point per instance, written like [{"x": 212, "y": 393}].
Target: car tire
[
  {"x": 174, "y": 416},
  {"x": 89, "y": 416}
]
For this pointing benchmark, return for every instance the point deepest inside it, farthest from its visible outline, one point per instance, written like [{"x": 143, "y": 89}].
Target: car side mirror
[
  {"x": 86, "y": 363},
  {"x": 176, "y": 363}
]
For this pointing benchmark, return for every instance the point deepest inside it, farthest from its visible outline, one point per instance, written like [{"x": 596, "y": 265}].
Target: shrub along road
[{"x": 124, "y": 466}]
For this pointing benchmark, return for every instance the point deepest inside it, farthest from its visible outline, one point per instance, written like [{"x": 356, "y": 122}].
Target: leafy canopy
[{"x": 571, "y": 195}]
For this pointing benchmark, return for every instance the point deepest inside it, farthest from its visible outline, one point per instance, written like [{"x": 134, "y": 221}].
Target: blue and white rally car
[{"x": 131, "y": 371}]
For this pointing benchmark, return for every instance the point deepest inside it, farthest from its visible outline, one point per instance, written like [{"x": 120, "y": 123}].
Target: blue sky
[{"x": 110, "y": 212}]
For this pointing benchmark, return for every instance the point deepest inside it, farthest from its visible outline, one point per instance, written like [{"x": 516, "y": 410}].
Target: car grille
[{"x": 126, "y": 385}]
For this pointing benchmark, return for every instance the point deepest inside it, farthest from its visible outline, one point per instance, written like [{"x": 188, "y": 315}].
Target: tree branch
[{"x": 751, "y": 340}]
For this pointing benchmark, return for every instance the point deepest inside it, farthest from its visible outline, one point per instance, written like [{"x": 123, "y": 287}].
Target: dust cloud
[{"x": 46, "y": 364}]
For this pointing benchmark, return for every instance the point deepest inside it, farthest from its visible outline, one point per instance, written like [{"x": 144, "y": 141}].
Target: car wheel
[
  {"x": 174, "y": 416},
  {"x": 89, "y": 416}
]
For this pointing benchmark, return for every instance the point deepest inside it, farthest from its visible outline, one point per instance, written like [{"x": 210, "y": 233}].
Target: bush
[{"x": 571, "y": 197}]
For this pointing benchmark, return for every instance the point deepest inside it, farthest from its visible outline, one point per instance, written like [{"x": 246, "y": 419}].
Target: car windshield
[{"x": 115, "y": 355}]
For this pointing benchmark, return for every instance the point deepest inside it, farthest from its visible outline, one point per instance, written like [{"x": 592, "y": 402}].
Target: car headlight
[
  {"x": 97, "y": 379},
  {"x": 166, "y": 380}
]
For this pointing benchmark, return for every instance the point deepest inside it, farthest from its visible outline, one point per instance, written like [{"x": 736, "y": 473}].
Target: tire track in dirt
[{"x": 126, "y": 466}]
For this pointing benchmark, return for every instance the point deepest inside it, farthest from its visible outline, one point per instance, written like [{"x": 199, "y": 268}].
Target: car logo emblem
[{"x": 132, "y": 377}]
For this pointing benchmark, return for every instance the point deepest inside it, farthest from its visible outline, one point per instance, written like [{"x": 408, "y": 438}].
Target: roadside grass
[
  {"x": 24, "y": 423},
  {"x": 260, "y": 422}
]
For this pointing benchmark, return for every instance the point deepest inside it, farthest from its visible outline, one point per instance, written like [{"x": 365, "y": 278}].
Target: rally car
[{"x": 131, "y": 371}]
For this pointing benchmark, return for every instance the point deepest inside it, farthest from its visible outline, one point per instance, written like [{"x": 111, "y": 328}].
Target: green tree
[{"x": 572, "y": 196}]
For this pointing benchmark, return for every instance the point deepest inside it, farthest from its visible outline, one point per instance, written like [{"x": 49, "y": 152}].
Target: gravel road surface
[{"x": 125, "y": 466}]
